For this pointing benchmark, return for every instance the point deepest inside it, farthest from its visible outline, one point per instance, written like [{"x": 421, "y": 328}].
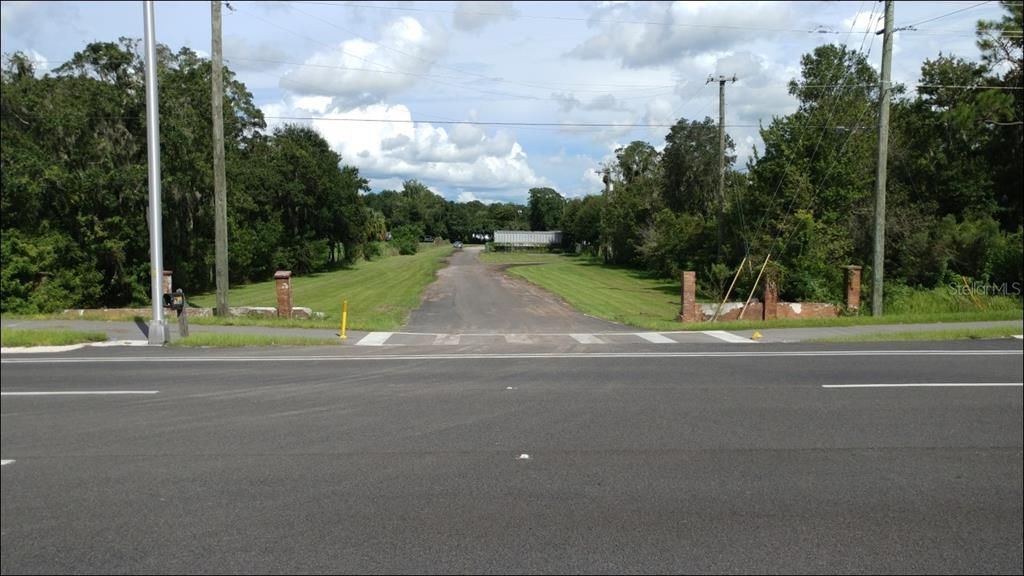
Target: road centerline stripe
[
  {"x": 928, "y": 385},
  {"x": 81, "y": 393}
]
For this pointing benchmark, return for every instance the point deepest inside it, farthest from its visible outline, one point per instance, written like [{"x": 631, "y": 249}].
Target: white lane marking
[
  {"x": 728, "y": 337},
  {"x": 374, "y": 339},
  {"x": 70, "y": 347},
  {"x": 81, "y": 393},
  {"x": 175, "y": 359},
  {"x": 523, "y": 457},
  {"x": 656, "y": 337},
  {"x": 925, "y": 385},
  {"x": 6, "y": 462},
  {"x": 587, "y": 339},
  {"x": 1019, "y": 336},
  {"x": 447, "y": 339},
  {"x": 518, "y": 339}
]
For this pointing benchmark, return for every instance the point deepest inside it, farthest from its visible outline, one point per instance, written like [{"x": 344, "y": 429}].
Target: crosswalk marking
[
  {"x": 728, "y": 337},
  {"x": 374, "y": 339},
  {"x": 602, "y": 338},
  {"x": 656, "y": 337}
]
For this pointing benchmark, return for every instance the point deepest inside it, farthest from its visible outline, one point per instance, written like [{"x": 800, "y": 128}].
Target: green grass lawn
[
  {"x": 239, "y": 340},
  {"x": 380, "y": 294},
  {"x": 16, "y": 338},
  {"x": 955, "y": 334},
  {"x": 632, "y": 297}
]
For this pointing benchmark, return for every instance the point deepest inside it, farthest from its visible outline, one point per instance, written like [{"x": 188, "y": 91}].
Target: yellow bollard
[{"x": 344, "y": 319}]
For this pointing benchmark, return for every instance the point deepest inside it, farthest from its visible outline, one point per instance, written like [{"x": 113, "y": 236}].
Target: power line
[
  {"x": 430, "y": 62},
  {"x": 821, "y": 30},
  {"x": 477, "y": 122},
  {"x": 629, "y": 87},
  {"x": 949, "y": 14},
  {"x": 576, "y": 18}
]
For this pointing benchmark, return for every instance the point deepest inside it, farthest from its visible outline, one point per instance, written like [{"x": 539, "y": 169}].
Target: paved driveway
[{"x": 472, "y": 297}]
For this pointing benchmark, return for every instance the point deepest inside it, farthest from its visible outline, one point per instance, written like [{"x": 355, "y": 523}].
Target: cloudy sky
[{"x": 551, "y": 88}]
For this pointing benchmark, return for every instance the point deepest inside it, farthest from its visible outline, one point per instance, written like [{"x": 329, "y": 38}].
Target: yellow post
[{"x": 344, "y": 319}]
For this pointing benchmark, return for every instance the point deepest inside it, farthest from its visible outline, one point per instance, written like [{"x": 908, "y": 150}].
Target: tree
[
  {"x": 545, "y": 209},
  {"x": 426, "y": 209},
  {"x": 1002, "y": 45},
  {"x": 581, "y": 223},
  {"x": 507, "y": 216},
  {"x": 319, "y": 202},
  {"x": 690, "y": 166},
  {"x": 813, "y": 182}
]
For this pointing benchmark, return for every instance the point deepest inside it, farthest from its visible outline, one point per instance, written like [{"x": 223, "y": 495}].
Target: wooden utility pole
[
  {"x": 721, "y": 153},
  {"x": 219, "y": 181},
  {"x": 878, "y": 263}
]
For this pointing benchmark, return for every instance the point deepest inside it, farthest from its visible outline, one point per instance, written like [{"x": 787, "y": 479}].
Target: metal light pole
[{"x": 159, "y": 332}]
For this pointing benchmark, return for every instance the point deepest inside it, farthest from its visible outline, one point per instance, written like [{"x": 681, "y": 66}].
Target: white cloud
[
  {"x": 33, "y": 20},
  {"x": 569, "y": 102},
  {"x": 358, "y": 72},
  {"x": 40, "y": 63},
  {"x": 247, "y": 55},
  {"x": 653, "y": 34},
  {"x": 869, "y": 20},
  {"x": 471, "y": 197},
  {"x": 473, "y": 16},
  {"x": 449, "y": 159}
]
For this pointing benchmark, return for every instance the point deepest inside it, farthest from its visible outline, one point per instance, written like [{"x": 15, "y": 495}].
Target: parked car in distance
[{"x": 457, "y": 245}]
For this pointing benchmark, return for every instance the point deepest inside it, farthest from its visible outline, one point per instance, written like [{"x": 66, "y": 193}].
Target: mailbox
[{"x": 175, "y": 300}]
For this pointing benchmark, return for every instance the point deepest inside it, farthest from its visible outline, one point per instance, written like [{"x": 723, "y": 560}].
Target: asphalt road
[
  {"x": 727, "y": 460},
  {"x": 471, "y": 297}
]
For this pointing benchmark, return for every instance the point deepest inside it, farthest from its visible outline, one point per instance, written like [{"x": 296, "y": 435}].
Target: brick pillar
[
  {"x": 853, "y": 288},
  {"x": 167, "y": 281},
  {"x": 688, "y": 309},
  {"x": 283, "y": 278},
  {"x": 770, "y": 310}
]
